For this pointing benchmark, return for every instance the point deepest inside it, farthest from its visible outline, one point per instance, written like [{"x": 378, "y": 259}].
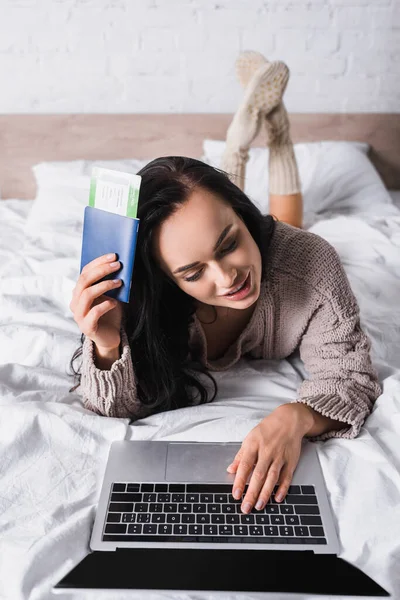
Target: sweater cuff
[
  {"x": 111, "y": 393},
  {"x": 334, "y": 407}
]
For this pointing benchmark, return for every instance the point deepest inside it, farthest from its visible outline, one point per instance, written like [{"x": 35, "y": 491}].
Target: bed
[{"x": 54, "y": 450}]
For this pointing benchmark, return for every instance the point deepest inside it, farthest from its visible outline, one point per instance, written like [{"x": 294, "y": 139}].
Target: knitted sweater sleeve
[
  {"x": 343, "y": 384},
  {"x": 110, "y": 393}
]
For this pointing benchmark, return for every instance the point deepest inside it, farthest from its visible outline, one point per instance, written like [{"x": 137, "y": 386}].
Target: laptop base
[{"x": 285, "y": 571}]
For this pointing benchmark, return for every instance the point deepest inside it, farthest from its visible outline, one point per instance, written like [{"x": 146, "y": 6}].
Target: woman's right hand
[{"x": 98, "y": 317}]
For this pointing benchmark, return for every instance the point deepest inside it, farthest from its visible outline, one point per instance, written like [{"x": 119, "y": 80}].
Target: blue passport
[{"x": 105, "y": 232}]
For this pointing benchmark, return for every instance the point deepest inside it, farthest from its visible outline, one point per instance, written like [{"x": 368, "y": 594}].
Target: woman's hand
[
  {"x": 274, "y": 447},
  {"x": 98, "y": 316}
]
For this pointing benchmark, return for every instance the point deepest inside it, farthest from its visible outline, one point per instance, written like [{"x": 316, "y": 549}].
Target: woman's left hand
[{"x": 274, "y": 447}]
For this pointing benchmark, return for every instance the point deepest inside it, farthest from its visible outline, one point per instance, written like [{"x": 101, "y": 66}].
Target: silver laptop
[{"x": 170, "y": 503}]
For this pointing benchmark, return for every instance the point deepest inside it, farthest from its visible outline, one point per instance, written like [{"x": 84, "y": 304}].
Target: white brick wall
[{"x": 178, "y": 55}]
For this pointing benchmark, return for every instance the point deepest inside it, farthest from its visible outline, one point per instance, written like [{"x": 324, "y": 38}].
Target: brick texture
[{"x": 178, "y": 55}]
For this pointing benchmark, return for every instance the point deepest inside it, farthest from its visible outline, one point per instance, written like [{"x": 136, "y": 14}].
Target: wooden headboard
[{"x": 29, "y": 139}]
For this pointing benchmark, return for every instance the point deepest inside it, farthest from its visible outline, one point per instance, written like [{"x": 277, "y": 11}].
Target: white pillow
[
  {"x": 336, "y": 177},
  {"x": 63, "y": 192}
]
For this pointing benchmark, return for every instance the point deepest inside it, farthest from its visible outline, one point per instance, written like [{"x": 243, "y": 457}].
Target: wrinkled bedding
[{"x": 54, "y": 451}]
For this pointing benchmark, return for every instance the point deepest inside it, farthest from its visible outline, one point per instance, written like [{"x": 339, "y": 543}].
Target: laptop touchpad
[{"x": 205, "y": 462}]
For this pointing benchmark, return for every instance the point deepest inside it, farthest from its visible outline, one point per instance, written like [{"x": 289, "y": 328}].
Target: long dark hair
[{"x": 159, "y": 313}]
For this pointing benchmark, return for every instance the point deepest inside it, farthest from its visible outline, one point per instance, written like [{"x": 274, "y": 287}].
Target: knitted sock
[
  {"x": 283, "y": 171},
  {"x": 263, "y": 93}
]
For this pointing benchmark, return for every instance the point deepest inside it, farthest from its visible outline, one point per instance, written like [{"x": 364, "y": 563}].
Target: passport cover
[{"x": 103, "y": 233}]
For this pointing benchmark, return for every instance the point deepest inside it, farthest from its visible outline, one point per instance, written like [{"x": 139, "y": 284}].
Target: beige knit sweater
[{"x": 306, "y": 303}]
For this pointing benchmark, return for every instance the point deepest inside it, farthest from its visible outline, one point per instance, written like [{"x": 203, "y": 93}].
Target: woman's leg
[
  {"x": 285, "y": 198},
  {"x": 263, "y": 93}
]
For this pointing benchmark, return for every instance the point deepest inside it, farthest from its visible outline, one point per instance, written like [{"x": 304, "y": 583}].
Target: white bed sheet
[{"x": 54, "y": 451}]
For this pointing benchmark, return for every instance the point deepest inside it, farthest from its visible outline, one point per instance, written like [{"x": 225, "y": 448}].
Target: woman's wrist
[
  {"x": 302, "y": 414},
  {"x": 106, "y": 357}
]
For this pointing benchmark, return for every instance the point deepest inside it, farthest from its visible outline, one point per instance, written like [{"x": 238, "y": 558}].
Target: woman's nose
[{"x": 225, "y": 277}]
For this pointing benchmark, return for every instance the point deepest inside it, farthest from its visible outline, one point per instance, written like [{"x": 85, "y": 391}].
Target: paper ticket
[{"x": 115, "y": 191}]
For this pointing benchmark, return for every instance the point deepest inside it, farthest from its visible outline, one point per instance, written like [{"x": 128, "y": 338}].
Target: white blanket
[{"x": 54, "y": 451}]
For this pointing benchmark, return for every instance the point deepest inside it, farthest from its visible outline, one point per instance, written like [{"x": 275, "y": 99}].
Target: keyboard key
[
  {"x": 310, "y": 520},
  {"x": 285, "y": 530},
  {"x": 294, "y": 489},
  {"x": 184, "y": 508},
  {"x": 163, "y": 497},
  {"x": 192, "y": 498},
  {"x": 143, "y": 518},
  {"x": 277, "y": 519},
  {"x": 232, "y": 519},
  {"x": 135, "y": 528},
  {"x": 149, "y": 497},
  {"x": 227, "y": 508},
  {"x": 206, "y": 498},
  {"x": 287, "y": 509},
  {"x": 256, "y": 530},
  {"x": 180, "y": 529},
  {"x": 188, "y": 518},
  {"x": 218, "y": 519},
  {"x": 158, "y": 518},
  {"x": 150, "y": 529},
  {"x": 133, "y": 487},
  {"x": 169, "y": 508},
  {"x": 125, "y": 497},
  {"x": 164, "y": 529},
  {"x": 317, "y": 531},
  {"x": 115, "y": 528},
  {"x": 306, "y": 510},
  {"x": 120, "y": 507},
  {"x": 195, "y": 529},
  {"x": 270, "y": 530},
  {"x": 262, "y": 519},
  {"x": 308, "y": 489},
  {"x": 225, "y": 530},
  {"x": 301, "y": 531},
  {"x": 113, "y": 517},
  {"x": 221, "y": 498},
  {"x": 178, "y": 498},
  {"x": 199, "y": 508},
  {"x": 176, "y": 487},
  {"x": 271, "y": 509},
  {"x": 247, "y": 519},
  {"x": 129, "y": 518},
  {"x": 209, "y": 488},
  {"x": 291, "y": 519},
  {"x": 161, "y": 487},
  {"x": 213, "y": 508},
  {"x": 293, "y": 499},
  {"x": 210, "y": 530},
  {"x": 141, "y": 507},
  {"x": 119, "y": 487},
  {"x": 241, "y": 530},
  {"x": 173, "y": 518},
  {"x": 202, "y": 519},
  {"x": 147, "y": 487},
  {"x": 155, "y": 508}
]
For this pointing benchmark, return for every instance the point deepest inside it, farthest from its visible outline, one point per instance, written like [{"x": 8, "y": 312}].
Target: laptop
[{"x": 167, "y": 520}]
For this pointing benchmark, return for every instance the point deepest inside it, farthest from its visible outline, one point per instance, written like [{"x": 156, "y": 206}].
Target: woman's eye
[
  {"x": 230, "y": 248},
  {"x": 193, "y": 277}
]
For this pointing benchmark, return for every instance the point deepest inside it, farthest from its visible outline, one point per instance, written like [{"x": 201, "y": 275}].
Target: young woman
[{"x": 215, "y": 280}]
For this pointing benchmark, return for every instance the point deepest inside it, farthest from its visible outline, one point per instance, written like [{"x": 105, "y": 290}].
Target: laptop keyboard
[{"x": 176, "y": 512}]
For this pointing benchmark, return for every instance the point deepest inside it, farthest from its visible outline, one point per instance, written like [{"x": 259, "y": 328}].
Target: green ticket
[{"x": 115, "y": 191}]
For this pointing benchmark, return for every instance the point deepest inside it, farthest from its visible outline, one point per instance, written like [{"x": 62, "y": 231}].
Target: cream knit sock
[
  {"x": 283, "y": 171},
  {"x": 263, "y": 93}
]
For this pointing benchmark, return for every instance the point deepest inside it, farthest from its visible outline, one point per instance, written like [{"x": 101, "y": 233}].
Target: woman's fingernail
[
  {"x": 259, "y": 505},
  {"x": 279, "y": 498},
  {"x": 237, "y": 493},
  {"x": 246, "y": 507}
]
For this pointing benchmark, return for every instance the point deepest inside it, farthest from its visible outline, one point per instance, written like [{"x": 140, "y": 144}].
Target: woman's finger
[
  {"x": 264, "y": 491},
  {"x": 273, "y": 476},
  {"x": 256, "y": 483},
  {"x": 284, "y": 482},
  {"x": 245, "y": 467}
]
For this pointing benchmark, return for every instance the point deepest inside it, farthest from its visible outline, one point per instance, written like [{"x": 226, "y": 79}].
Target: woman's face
[{"x": 207, "y": 250}]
